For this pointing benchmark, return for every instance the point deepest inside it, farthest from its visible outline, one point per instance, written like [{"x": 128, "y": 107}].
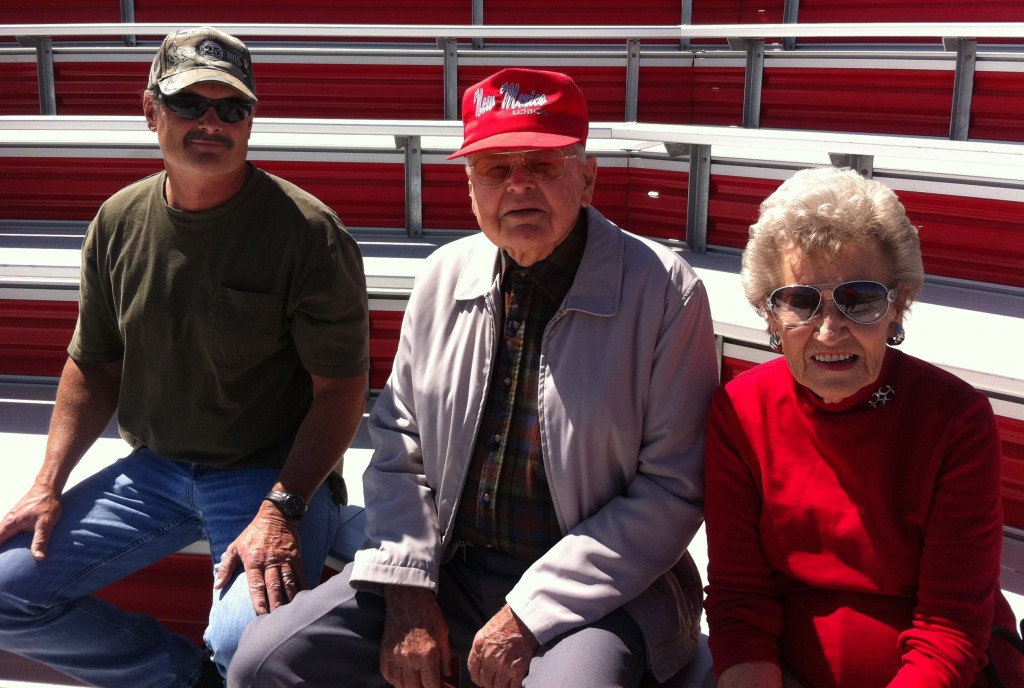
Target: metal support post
[
  {"x": 686, "y": 19},
  {"x": 632, "y": 78},
  {"x": 44, "y": 71},
  {"x": 477, "y": 19},
  {"x": 790, "y": 15},
  {"x": 697, "y": 194},
  {"x": 753, "y": 78},
  {"x": 128, "y": 17},
  {"x": 413, "y": 183},
  {"x": 864, "y": 165},
  {"x": 963, "y": 86},
  {"x": 450, "y": 46}
]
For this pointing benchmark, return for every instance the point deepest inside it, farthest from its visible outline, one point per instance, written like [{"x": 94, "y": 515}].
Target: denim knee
[{"x": 22, "y": 594}]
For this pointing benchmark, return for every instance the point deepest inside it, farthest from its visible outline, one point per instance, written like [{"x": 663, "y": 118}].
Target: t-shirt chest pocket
[{"x": 246, "y": 326}]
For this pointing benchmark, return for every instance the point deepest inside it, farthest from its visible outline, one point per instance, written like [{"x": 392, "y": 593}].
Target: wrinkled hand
[
  {"x": 37, "y": 513},
  {"x": 414, "y": 650},
  {"x": 502, "y": 651},
  {"x": 269, "y": 551}
]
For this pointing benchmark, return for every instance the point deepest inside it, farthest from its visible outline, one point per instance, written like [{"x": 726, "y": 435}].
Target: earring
[
  {"x": 775, "y": 342},
  {"x": 897, "y": 338}
]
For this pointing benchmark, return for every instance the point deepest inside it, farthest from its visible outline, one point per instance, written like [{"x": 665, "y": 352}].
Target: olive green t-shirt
[{"x": 219, "y": 317}]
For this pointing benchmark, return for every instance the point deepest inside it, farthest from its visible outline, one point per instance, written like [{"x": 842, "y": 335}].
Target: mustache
[{"x": 203, "y": 136}]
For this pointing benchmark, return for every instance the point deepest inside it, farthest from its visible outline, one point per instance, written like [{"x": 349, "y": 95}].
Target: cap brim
[
  {"x": 178, "y": 82},
  {"x": 516, "y": 139}
]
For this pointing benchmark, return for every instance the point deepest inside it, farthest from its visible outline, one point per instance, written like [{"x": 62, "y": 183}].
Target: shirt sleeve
[
  {"x": 97, "y": 337},
  {"x": 329, "y": 315}
]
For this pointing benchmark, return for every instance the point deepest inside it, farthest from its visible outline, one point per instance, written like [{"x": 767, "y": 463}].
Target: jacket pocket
[{"x": 245, "y": 326}]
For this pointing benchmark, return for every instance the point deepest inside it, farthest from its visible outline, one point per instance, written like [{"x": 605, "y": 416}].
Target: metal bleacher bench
[{"x": 39, "y": 260}]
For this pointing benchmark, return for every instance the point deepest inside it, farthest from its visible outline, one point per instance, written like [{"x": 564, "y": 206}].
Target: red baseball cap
[{"x": 523, "y": 108}]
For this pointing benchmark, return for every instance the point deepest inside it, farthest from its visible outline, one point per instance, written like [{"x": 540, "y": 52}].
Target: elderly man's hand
[
  {"x": 502, "y": 651},
  {"x": 414, "y": 650},
  {"x": 269, "y": 551}
]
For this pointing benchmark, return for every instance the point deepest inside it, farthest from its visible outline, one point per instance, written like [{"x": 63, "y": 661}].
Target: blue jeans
[{"x": 125, "y": 517}]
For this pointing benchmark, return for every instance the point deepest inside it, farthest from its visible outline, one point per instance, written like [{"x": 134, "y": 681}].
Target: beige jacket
[{"x": 628, "y": 366}]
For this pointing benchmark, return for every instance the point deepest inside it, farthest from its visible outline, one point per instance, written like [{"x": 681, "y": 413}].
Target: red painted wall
[{"x": 876, "y": 101}]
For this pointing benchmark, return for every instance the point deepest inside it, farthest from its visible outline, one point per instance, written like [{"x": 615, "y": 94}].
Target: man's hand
[
  {"x": 414, "y": 650},
  {"x": 37, "y": 513},
  {"x": 269, "y": 551},
  {"x": 502, "y": 651}
]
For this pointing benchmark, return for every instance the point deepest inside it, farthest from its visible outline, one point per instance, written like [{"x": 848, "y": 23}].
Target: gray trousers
[{"x": 330, "y": 636}]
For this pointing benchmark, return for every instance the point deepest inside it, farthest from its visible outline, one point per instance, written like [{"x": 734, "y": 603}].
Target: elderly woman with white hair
[{"x": 853, "y": 500}]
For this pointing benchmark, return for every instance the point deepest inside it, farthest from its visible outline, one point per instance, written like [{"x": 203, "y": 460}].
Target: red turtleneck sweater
[{"x": 857, "y": 545}]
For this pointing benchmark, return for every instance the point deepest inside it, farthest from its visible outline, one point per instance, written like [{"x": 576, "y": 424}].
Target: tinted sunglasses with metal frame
[{"x": 862, "y": 301}]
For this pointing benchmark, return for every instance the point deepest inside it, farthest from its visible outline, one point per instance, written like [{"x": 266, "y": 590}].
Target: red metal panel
[
  {"x": 19, "y": 88},
  {"x": 759, "y": 11},
  {"x": 665, "y": 95},
  {"x": 1011, "y": 431},
  {"x": 655, "y": 202},
  {"x": 99, "y": 88},
  {"x": 385, "y": 327},
  {"x": 60, "y": 11},
  {"x": 304, "y": 11},
  {"x": 734, "y": 12},
  {"x": 350, "y": 91},
  {"x": 969, "y": 238},
  {"x": 34, "y": 336},
  {"x": 446, "y": 202},
  {"x": 611, "y": 195},
  {"x": 910, "y": 11},
  {"x": 65, "y": 188},
  {"x": 732, "y": 207},
  {"x": 362, "y": 194},
  {"x": 997, "y": 106},
  {"x": 718, "y": 96},
  {"x": 963, "y": 237},
  {"x": 593, "y": 13},
  {"x": 882, "y": 101},
  {"x": 286, "y": 89}
]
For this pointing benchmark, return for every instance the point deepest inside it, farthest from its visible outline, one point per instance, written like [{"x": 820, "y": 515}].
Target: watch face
[{"x": 294, "y": 505}]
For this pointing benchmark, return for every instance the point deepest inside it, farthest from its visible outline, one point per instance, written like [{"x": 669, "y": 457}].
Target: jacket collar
[{"x": 597, "y": 288}]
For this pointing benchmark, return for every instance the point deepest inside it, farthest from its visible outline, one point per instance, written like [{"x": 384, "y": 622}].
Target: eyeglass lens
[
  {"x": 862, "y": 301},
  {"x": 192, "y": 106},
  {"x": 544, "y": 165}
]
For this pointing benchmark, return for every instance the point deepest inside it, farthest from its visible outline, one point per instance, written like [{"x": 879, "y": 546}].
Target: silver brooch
[{"x": 882, "y": 396}]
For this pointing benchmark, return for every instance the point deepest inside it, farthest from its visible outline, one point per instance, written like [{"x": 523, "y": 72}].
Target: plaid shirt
[{"x": 506, "y": 503}]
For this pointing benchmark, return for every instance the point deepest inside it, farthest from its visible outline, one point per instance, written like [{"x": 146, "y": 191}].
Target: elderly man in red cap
[
  {"x": 538, "y": 449},
  {"x": 223, "y": 319}
]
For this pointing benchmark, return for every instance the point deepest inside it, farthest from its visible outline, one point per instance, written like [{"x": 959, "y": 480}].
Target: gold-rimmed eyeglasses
[{"x": 543, "y": 164}]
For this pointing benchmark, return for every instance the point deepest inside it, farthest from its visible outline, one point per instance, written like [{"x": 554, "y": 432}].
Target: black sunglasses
[
  {"x": 862, "y": 301},
  {"x": 193, "y": 106}
]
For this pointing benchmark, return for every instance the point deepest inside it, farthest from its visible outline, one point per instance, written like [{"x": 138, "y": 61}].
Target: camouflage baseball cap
[{"x": 192, "y": 56}]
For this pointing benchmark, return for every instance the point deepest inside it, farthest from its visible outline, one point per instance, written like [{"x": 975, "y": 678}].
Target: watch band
[{"x": 291, "y": 505}]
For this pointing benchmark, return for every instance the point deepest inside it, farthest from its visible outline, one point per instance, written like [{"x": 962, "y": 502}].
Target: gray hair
[{"x": 821, "y": 211}]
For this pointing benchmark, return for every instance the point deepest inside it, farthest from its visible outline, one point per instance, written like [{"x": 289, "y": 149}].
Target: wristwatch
[{"x": 292, "y": 505}]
